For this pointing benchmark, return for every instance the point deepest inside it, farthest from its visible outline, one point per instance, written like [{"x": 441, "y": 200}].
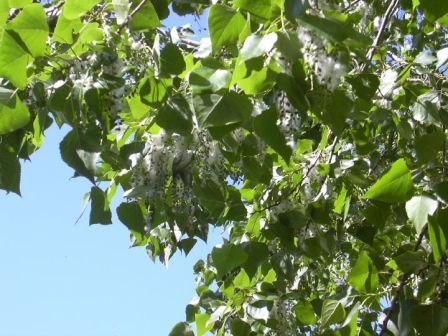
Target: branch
[
  {"x": 403, "y": 280},
  {"x": 387, "y": 15}
]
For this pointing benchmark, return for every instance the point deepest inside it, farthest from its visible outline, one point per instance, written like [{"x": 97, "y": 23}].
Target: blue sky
[{"x": 62, "y": 279}]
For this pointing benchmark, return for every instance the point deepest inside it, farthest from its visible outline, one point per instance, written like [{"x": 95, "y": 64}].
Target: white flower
[{"x": 388, "y": 82}]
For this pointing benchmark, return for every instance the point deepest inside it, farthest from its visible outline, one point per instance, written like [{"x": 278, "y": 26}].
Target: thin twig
[
  {"x": 387, "y": 15},
  {"x": 136, "y": 9},
  {"x": 403, "y": 280}
]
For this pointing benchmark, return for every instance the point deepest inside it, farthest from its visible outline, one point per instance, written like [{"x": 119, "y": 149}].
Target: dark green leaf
[
  {"x": 428, "y": 146},
  {"x": 146, "y": 18},
  {"x": 227, "y": 257},
  {"x": 411, "y": 262},
  {"x": 100, "y": 212},
  {"x": 438, "y": 233},
  {"x": 265, "y": 126},
  {"x": 239, "y": 328},
  {"x": 332, "y": 312},
  {"x": 430, "y": 320},
  {"x": 9, "y": 171},
  {"x": 433, "y": 9},
  {"x": 259, "y": 8},
  {"x": 304, "y": 312},
  {"x": 176, "y": 116},
  {"x": 225, "y": 26},
  {"x": 181, "y": 329},
  {"x": 131, "y": 215},
  {"x": 171, "y": 60}
]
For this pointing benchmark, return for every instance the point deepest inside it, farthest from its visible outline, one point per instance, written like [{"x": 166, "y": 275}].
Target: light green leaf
[
  {"x": 418, "y": 208},
  {"x": 364, "y": 276},
  {"x": 121, "y": 8},
  {"x": 14, "y": 60},
  {"x": 225, "y": 25},
  {"x": 205, "y": 79},
  {"x": 227, "y": 257},
  {"x": 260, "y": 8},
  {"x": 31, "y": 26},
  {"x": 332, "y": 312},
  {"x": 203, "y": 323},
  {"x": 74, "y": 9},
  {"x": 13, "y": 115},
  {"x": 393, "y": 187},
  {"x": 304, "y": 312},
  {"x": 65, "y": 29},
  {"x": 18, "y": 3},
  {"x": 257, "y": 45}
]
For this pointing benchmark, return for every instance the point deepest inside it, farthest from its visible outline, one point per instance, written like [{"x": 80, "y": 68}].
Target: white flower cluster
[
  {"x": 170, "y": 164},
  {"x": 329, "y": 71}
]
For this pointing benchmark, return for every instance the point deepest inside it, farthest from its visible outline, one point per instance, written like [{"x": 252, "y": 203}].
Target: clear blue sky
[{"x": 62, "y": 279}]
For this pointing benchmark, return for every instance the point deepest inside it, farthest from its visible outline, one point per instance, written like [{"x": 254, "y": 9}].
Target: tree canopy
[{"x": 313, "y": 131}]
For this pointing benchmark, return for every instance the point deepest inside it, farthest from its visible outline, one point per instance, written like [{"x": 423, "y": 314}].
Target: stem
[
  {"x": 387, "y": 15},
  {"x": 136, "y": 9}
]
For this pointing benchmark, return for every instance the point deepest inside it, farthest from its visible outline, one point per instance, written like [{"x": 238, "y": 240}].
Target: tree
[{"x": 315, "y": 131}]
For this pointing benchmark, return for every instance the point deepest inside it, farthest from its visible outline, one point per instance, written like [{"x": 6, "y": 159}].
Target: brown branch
[{"x": 403, "y": 280}]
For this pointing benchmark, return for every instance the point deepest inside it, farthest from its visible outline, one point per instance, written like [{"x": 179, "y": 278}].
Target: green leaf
[
  {"x": 70, "y": 148},
  {"x": 10, "y": 171},
  {"x": 332, "y": 312},
  {"x": 441, "y": 190},
  {"x": 171, "y": 60},
  {"x": 131, "y": 215},
  {"x": 121, "y": 8},
  {"x": 154, "y": 91},
  {"x": 295, "y": 8},
  {"x": 213, "y": 110},
  {"x": 14, "y": 59},
  {"x": 239, "y": 328},
  {"x": 393, "y": 187},
  {"x": 175, "y": 115},
  {"x": 430, "y": 320},
  {"x": 364, "y": 276},
  {"x": 260, "y": 8},
  {"x": 428, "y": 146},
  {"x": 339, "y": 202},
  {"x": 100, "y": 212},
  {"x": 411, "y": 262},
  {"x": 181, "y": 329},
  {"x": 32, "y": 28},
  {"x": 18, "y": 3},
  {"x": 438, "y": 233},
  {"x": 74, "y": 9},
  {"x": 203, "y": 323},
  {"x": 257, "y": 254},
  {"x": 258, "y": 81},
  {"x": 265, "y": 126},
  {"x": 65, "y": 29},
  {"x": 433, "y": 9},
  {"x": 13, "y": 114},
  {"x": 257, "y": 45},
  {"x": 145, "y": 19},
  {"x": 304, "y": 312},
  {"x": 225, "y": 25},
  {"x": 227, "y": 257},
  {"x": 336, "y": 108},
  {"x": 364, "y": 85},
  {"x": 208, "y": 80},
  {"x": 418, "y": 208}
]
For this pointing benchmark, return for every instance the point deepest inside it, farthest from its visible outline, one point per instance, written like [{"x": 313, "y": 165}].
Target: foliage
[{"x": 314, "y": 131}]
